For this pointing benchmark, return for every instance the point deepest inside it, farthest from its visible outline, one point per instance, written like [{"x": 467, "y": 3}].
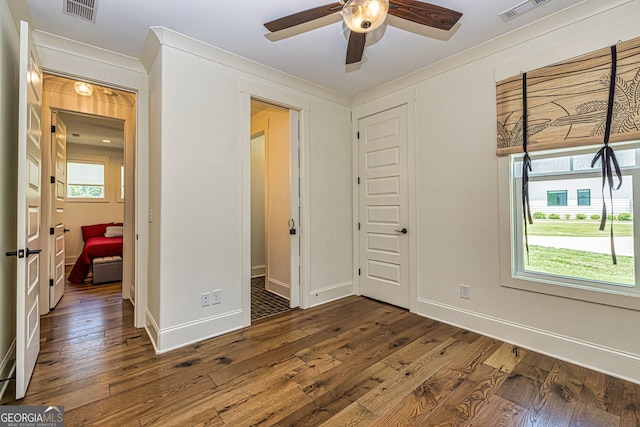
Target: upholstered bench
[{"x": 107, "y": 269}]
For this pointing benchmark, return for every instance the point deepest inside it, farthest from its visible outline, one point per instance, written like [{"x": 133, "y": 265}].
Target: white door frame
[
  {"x": 408, "y": 97},
  {"x": 272, "y": 95},
  {"x": 114, "y": 71}
]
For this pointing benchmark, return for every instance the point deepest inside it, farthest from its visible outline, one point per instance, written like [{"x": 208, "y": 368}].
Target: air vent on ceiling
[
  {"x": 83, "y": 9},
  {"x": 521, "y": 8}
]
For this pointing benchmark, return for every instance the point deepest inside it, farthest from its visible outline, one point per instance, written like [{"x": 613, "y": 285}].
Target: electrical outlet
[
  {"x": 205, "y": 299},
  {"x": 216, "y": 296},
  {"x": 465, "y": 292}
]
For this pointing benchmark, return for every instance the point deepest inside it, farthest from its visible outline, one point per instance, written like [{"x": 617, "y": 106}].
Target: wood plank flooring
[{"x": 354, "y": 362}]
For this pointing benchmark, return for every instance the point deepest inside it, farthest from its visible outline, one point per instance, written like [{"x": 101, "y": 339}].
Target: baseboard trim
[
  {"x": 257, "y": 271},
  {"x": 599, "y": 358},
  {"x": 152, "y": 330},
  {"x": 199, "y": 330},
  {"x": 7, "y": 367},
  {"x": 279, "y": 288},
  {"x": 331, "y": 293}
]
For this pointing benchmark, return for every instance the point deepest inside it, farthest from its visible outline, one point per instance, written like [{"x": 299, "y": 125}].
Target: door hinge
[
  {"x": 50, "y": 282},
  {"x": 51, "y": 231},
  {"x": 53, "y": 180},
  {"x": 53, "y": 129},
  {"x": 359, "y": 272},
  {"x": 358, "y": 134},
  {"x": 136, "y": 236},
  {"x": 358, "y": 180},
  {"x": 358, "y": 226}
]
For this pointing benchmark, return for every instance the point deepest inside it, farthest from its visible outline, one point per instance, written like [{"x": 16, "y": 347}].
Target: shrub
[
  {"x": 624, "y": 216},
  {"x": 567, "y": 216},
  {"x": 595, "y": 216},
  {"x": 554, "y": 216},
  {"x": 581, "y": 216},
  {"x": 539, "y": 215},
  {"x": 611, "y": 217}
]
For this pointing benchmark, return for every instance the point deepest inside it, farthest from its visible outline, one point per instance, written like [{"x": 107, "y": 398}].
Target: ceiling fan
[{"x": 363, "y": 16}]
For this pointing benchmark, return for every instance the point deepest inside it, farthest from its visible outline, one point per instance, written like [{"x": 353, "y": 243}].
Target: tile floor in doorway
[{"x": 265, "y": 303}]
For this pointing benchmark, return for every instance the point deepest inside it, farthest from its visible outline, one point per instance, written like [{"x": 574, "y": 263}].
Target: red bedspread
[{"x": 94, "y": 247}]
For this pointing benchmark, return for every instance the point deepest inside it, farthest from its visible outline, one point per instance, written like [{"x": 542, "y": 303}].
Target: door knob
[
  {"x": 35, "y": 251},
  {"x": 66, "y": 230},
  {"x": 19, "y": 253},
  {"x": 403, "y": 231}
]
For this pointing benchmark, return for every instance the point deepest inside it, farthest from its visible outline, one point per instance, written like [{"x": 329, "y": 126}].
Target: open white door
[
  {"x": 28, "y": 219},
  {"x": 59, "y": 150}
]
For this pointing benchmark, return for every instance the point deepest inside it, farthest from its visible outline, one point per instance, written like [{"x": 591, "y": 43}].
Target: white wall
[
  {"x": 332, "y": 222},
  {"x": 459, "y": 203},
  {"x": 79, "y": 213},
  {"x": 200, "y": 189},
  {"x": 8, "y": 158}
]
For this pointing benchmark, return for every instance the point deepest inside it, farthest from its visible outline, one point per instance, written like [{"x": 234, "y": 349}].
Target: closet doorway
[{"x": 274, "y": 210}]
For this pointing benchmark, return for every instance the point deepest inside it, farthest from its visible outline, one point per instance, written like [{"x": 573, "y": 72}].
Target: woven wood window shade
[{"x": 567, "y": 102}]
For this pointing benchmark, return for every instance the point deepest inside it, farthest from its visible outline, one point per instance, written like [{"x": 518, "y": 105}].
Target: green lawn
[
  {"x": 586, "y": 265},
  {"x": 577, "y": 228}
]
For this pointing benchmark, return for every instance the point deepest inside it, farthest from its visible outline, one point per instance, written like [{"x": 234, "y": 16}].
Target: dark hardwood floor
[{"x": 350, "y": 362}]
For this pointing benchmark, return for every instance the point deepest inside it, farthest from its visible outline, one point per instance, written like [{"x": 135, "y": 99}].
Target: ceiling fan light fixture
[
  {"x": 82, "y": 88},
  {"x": 363, "y": 16}
]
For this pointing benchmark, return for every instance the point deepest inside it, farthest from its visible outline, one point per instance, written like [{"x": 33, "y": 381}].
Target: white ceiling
[
  {"x": 317, "y": 56},
  {"x": 93, "y": 130}
]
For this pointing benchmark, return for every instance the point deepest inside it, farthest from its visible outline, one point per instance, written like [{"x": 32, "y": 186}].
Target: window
[
  {"x": 557, "y": 198},
  {"x": 566, "y": 247},
  {"x": 85, "y": 180},
  {"x": 584, "y": 197}
]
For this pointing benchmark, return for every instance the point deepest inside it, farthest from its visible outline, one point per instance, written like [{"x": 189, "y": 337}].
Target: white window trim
[
  {"x": 618, "y": 296},
  {"x": 93, "y": 160}
]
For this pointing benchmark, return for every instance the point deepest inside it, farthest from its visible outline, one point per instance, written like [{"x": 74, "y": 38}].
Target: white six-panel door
[
  {"x": 383, "y": 207},
  {"x": 29, "y": 238},
  {"x": 59, "y": 149}
]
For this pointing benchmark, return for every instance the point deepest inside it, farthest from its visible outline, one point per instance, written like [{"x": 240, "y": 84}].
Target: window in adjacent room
[
  {"x": 85, "y": 180},
  {"x": 584, "y": 197},
  {"x": 557, "y": 198},
  {"x": 566, "y": 246}
]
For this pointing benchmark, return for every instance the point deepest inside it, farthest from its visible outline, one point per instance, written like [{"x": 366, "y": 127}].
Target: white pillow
[{"x": 113, "y": 231}]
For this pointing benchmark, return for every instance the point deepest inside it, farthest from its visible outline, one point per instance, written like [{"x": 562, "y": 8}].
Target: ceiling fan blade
[
  {"x": 304, "y": 16},
  {"x": 355, "y": 48},
  {"x": 424, "y": 13}
]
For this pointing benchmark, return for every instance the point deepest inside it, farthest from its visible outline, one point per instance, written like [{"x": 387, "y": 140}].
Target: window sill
[{"x": 623, "y": 298}]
